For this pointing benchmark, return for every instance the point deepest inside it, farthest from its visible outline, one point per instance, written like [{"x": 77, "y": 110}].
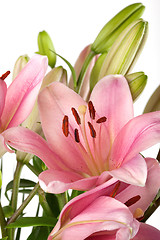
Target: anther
[
  {"x": 115, "y": 190},
  {"x": 132, "y": 200},
  {"x": 4, "y": 75},
  {"x": 92, "y": 130},
  {"x": 91, "y": 110},
  {"x": 101, "y": 120},
  {"x": 76, "y": 116},
  {"x": 76, "y": 135},
  {"x": 65, "y": 127}
]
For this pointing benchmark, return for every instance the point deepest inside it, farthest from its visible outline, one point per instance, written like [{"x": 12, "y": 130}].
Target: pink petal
[
  {"x": 148, "y": 192},
  {"x": 3, "y": 91},
  {"x": 56, "y": 101},
  {"x": 147, "y": 232},
  {"x": 23, "y": 91},
  {"x": 111, "y": 98},
  {"x": 54, "y": 181},
  {"x": 108, "y": 214},
  {"x": 132, "y": 172},
  {"x": 25, "y": 140},
  {"x": 137, "y": 135},
  {"x": 3, "y": 147}
]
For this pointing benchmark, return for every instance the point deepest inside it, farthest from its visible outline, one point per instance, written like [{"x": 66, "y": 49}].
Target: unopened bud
[
  {"x": 154, "y": 102},
  {"x": 137, "y": 82},
  {"x": 115, "y": 26},
  {"x": 46, "y": 47},
  {"x": 19, "y": 65}
]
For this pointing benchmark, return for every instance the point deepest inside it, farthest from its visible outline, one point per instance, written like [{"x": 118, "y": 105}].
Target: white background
[{"x": 72, "y": 25}]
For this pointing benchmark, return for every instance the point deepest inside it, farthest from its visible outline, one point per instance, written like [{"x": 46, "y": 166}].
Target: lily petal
[
  {"x": 23, "y": 91},
  {"x": 148, "y": 192},
  {"x": 56, "y": 101},
  {"x": 3, "y": 91},
  {"x": 132, "y": 172},
  {"x": 111, "y": 98},
  {"x": 137, "y": 135},
  {"x": 54, "y": 181},
  {"x": 147, "y": 232},
  {"x": 25, "y": 140}
]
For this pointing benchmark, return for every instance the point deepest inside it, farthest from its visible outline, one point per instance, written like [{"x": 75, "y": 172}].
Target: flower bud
[
  {"x": 137, "y": 82},
  {"x": 115, "y": 26},
  {"x": 0, "y": 179},
  {"x": 46, "y": 47},
  {"x": 154, "y": 102},
  {"x": 19, "y": 65}
]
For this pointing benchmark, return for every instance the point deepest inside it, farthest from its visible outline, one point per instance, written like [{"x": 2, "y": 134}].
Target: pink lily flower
[
  {"x": 72, "y": 219},
  {"x": 86, "y": 146},
  {"x": 104, "y": 218},
  {"x": 16, "y": 101}
]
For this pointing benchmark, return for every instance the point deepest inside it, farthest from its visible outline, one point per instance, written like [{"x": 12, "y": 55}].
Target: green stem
[
  {"x": 44, "y": 203},
  {"x": 2, "y": 222},
  {"x": 62, "y": 199},
  {"x": 84, "y": 69},
  {"x": 151, "y": 210},
  {"x": 24, "y": 204},
  {"x": 33, "y": 169},
  {"x": 16, "y": 182}
]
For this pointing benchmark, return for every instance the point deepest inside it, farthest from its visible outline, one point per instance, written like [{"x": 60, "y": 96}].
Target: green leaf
[
  {"x": 8, "y": 211},
  {"x": 33, "y": 221},
  {"x": 70, "y": 67},
  {"x": 0, "y": 179},
  {"x": 4, "y": 238},
  {"x": 24, "y": 183},
  {"x": 40, "y": 233},
  {"x": 53, "y": 204}
]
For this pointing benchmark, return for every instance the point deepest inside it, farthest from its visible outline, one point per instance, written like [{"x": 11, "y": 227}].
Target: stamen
[
  {"x": 65, "y": 127},
  {"x": 76, "y": 135},
  {"x": 76, "y": 116},
  {"x": 101, "y": 120},
  {"x": 132, "y": 201},
  {"x": 138, "y": 213},
  {"x": 92, "y": 130},
  {"x": 92, "y": 110},
  {"x": 4, "y": 75},
  {"x": 82, "y": 109},
  {"x": 115, "y": 190}
]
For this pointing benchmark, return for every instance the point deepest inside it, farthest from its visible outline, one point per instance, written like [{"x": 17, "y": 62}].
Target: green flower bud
[
  {"x": 46, "y": 47},
  {"x": 125, "y": 50},
  {"x": 19, "y": 65},
  {"x": 0, "y": 179},
  {"x": 154, "y": 102},
  {"x": 137, "y": 82},
  {"x": 115, "y": 26}
]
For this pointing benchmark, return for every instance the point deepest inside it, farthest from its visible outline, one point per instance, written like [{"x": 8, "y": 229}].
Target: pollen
[
  {"x": 92, "y": 110},
  {"x": 138, "y": 213},
  {"x": 82, "y": 109},
  {"x": 92, "y": 130},
  {"x": 76, "y": 116},
  {"x": 5, "y": 75},
  {"x": 132, "y": 200},
  {"x": 101, "y": 120},
  {"x": 76, "y": 135},
  {"x": 65, "y": 126}
]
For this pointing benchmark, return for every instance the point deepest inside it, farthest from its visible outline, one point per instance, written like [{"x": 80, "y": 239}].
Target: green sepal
[{"x": 115, "y": 26}]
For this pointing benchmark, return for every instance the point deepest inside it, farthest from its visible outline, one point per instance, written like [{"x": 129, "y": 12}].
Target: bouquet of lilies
[{"x": 80, "y": 138}]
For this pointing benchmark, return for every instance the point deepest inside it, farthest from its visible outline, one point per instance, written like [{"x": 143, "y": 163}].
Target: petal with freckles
[
  {"x": 23, "y": 91},
  {"x": 147, "y": 232},
  {"x": 112, "y": 99},
  {"x": 148, "y": 192},
  {"x": 132, "y": 172},
  {"x": 56, "y": 101},
  {"x": 137, "y": 135},
  {"x": 54, "y": 181}
]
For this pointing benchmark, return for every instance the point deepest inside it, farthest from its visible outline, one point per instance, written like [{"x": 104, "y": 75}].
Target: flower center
[{"x": 87, "y": 136}]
